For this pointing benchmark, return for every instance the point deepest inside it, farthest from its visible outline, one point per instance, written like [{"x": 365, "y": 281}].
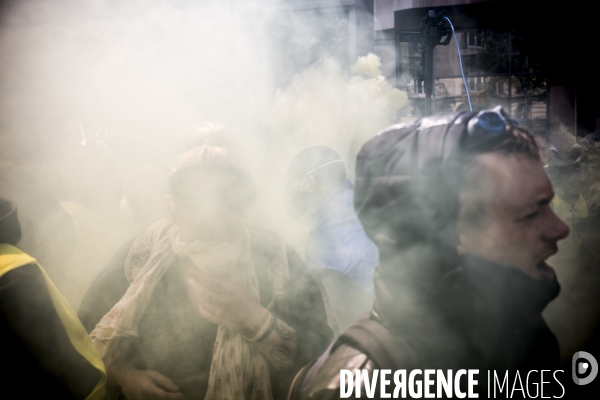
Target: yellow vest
[
  {"x": 12, "y": 258},
  {"x": 98, "y": 237}
]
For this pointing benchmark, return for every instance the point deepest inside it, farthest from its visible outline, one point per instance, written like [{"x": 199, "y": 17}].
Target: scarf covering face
[{"x": 238, "y": 371}]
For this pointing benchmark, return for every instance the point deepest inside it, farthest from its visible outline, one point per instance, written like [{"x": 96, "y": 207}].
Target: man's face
[{"x": 517, "y": 228}]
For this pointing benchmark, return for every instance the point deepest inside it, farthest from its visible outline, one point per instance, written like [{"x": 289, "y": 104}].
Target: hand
[
  {"x": 227, "y": 304},
  {"x": 144, "y": 385}
]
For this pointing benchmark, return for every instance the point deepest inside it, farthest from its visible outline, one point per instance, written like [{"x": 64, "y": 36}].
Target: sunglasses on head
[{"x": 487, "y": 128}]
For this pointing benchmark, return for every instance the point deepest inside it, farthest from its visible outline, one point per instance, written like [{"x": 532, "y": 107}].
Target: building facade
[{"x": 529, "y": 58}]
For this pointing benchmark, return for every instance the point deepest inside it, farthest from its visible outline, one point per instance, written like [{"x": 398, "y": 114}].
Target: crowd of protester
[{"x": 433, "y": 258}]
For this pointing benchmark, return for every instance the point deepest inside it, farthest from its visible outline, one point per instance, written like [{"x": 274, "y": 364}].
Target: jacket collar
[{"x": 506, "y": 290}]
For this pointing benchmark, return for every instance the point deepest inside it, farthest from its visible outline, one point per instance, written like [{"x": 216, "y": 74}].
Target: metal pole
[
  {"x": 431, "y": 34},
  {"x": 428, "y": 78},
  {"x": 510, "y": 74}
]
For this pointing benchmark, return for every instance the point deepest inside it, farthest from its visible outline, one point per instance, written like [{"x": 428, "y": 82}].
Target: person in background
[
  {"x": 338, "y": 251},
  {"x": 29, "y": 189},
  {"x": 78, "y": 242},
  {"x": 46, "y": 351},
  {"x": 208, "y": 307},
  {"x": 459, "y": 206},
  {"x": 144, "y": 191}
]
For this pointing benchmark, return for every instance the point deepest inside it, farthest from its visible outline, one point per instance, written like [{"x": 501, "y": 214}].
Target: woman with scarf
[{"x": 208, "y": 307}]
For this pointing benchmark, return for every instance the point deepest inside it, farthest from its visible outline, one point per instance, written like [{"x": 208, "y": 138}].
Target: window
[{"x": 500, "y": 70}]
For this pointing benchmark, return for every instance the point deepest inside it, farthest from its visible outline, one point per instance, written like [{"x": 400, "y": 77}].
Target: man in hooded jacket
[{"x": 458, "y": 206}]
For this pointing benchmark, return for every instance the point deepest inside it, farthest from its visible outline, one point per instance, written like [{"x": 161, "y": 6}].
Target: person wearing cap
[
  {"x": 207, "y": 307},
  {"x": 46, "y": 351},
  {"x": 459, "y": 207},
  {"x": 338, "y": 252}
]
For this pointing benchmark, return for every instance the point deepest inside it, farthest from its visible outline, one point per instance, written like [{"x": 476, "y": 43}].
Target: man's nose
[{"x": 556, "y": 229}]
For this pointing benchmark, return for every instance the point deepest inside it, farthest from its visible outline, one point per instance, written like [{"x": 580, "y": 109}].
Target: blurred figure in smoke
[
  {"x": 573, "y": 169},
  {"x": 211, "y": 134},
  {"x": 78, "y": 241},
  {"x": 208, "y": 307},
  {"x": 459, "y": 207},
  {"x": 588, "y": 229},
  {"x": 338, "y": 251},
  {"x": 47, "y": 353},
  {"x": 144, "y": 194},
  {"x": 27, "y": 188}
]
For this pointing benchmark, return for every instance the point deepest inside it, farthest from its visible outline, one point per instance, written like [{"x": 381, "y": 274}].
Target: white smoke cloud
[
  {"x": 326, "y": 105},
  {"x": 97, "y": 89}
]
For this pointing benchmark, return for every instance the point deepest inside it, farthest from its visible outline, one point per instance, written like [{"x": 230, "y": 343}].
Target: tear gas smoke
[
  {"x": 103, "y": 88},
  {"x": 92, "y": 90},
  {"x": 326, "y": 105},
  {"x": 100, "y": 94}
]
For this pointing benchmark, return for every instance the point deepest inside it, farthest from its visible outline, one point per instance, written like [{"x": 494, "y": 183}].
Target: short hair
[
  {"x": 518, "y": 143},
  {"x": 318, "y": 156}
]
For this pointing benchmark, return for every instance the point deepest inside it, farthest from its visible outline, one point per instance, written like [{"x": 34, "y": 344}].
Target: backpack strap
[
  {"x": 376, "y": 340},
  {"x": 307, "y": 375},
  {"x": 370, "y": 336}
]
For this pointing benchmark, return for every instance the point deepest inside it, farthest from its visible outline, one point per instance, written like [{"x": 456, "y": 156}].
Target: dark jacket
[
  {"x": 498, "y": 327},
  {"x": 174, "y": 341},
  {"x": 38, "y": 357},
  {"x": 433, "y": 309}
]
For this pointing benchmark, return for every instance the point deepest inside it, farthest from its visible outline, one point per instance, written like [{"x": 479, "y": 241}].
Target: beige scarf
[{"x": 238, "y": 370}]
